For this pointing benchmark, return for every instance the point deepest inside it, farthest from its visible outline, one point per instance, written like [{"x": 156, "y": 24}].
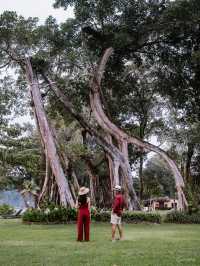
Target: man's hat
[
  {"x": 117, "y": 188},
  {"x": 83, "y": 191}
]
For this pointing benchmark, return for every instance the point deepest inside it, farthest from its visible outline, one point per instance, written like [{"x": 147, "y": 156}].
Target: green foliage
[
  {"x": 130, "y": 217},
  {"x": 29, "y": 186},
  {"x": 34, "y": 216},
  {"x": 138, "y": 217},
  {"x": 71, "y": 214},
  {"x": 77, "y": 151},
  {"x": 57, "y": 215},
  {"x": 158, "y": 180},
  {"x": 103, "y": 216},
  {"x": 183, "y": 217},
  {"x": 6, "y": 209},
  {"x": 50, "y": 215},
  {"x": 179, "y": 70},
  {"x": 62, "y": 215},
  {"x": 20, "y": 155},
  {"x": 193, "y": 196}
]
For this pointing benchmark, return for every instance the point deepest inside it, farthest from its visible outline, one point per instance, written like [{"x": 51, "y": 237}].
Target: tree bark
[
  {"x": 46, "y": 180},
  {"x": 108, "y": 138},
  {"x": 122, "y": 136},
  {"x": 143, "y": 124},
  {"x": 93, "y": 180},
  {"x": 64, "y": 191},
  {"x": 190, "y": 153},
  {"x": 121, "y": 160},
  {"x": 141, "y": 177},
  {"x": 65, "y": 162},
  {"x": 109, "y": 148}
]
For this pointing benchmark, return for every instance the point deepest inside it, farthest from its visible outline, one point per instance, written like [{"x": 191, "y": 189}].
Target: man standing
[{"x": 117, "y": 210}]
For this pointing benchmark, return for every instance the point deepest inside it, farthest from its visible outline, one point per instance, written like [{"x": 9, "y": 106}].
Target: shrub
[
  {"x": 94, "y": 212},
  {"x": 102, "y": 216},
  {"x": 57, "y": 215},
  {"x": 130, "y": 217},
  {"x": 50, "y": 215},
  {"x": 71, "y": 214},
  {"x": 6, "y": 209},
  {"x": 182, "y": 218},
  {"x": 63, "y": 215},
  {"x": 138, "y": 217},
  {"x": 35, "y": 215}
]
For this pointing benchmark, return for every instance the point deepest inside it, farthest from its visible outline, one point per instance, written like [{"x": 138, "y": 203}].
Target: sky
[{"x": 36, "y": 8}]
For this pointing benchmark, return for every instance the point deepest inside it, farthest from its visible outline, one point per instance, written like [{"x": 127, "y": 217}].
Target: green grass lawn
[{"x": 48, "y": 245}]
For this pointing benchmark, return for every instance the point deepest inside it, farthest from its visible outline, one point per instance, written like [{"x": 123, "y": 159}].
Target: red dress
[{"x": 83, "y": 222}]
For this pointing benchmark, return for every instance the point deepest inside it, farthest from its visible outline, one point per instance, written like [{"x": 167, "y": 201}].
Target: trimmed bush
[
  {"x": 6, "y": 209},
  {"x": 71, "y": 214},
  {"x": 50, "y": 215},
  {"x": 102, "y": 216},
  {"x": 138, "y": 217},
  {"x": 182, "y": 218},
  {"x": 63, "y": 215},
  {"x": 35, "y": 215}
]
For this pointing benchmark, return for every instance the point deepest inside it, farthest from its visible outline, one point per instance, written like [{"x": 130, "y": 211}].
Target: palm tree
[{"x": 30, "y": 190}]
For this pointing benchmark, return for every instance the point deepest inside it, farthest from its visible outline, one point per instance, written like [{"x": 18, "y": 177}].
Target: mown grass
[{"x": 144, "y": 244}]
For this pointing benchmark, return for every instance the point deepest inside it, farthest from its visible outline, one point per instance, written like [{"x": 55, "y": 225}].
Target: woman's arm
[
  {"x": 76, "y": 205},
  {"x": 88, "y": 202}
]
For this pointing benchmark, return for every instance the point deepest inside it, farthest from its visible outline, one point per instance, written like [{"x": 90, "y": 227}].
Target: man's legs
[
  {"x": 120, "y": 229},
  {"x": 113, "y": 231}
]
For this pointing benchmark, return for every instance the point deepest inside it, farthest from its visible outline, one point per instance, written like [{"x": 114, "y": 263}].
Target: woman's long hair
[{"x": 82, "y": 199}]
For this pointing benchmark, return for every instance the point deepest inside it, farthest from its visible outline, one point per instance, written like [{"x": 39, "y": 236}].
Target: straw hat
[
  {"x": 83, "y": 191},
  {"x": 117, "y": 188}
]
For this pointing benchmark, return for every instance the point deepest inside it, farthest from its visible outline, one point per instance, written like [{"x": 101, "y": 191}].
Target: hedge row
[
  {"x": 182, "y": 218},
  {"x": 6, "y": 209},
  {"x": 63, "y": 215},
  {"x": 131, "y": 217},
  {"x": 138, "y": 217},
  {"x": 57, "y": 215}
]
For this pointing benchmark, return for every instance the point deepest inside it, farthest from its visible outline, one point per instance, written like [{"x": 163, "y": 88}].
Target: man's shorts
[{"x": 115, "y": 219}]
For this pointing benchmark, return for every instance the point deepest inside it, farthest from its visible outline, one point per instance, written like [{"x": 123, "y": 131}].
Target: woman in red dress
[{"x": 83, "y": 222}]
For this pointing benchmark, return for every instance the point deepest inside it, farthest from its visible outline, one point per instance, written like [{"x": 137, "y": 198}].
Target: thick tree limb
[
  {"x": 64, "y": 191},
  {"x": 114, "y": 152},
  {"x": 122, "y": 136}
]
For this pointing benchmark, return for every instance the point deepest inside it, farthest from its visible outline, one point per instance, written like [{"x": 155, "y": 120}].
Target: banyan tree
[{"x": 43, "y": 67}]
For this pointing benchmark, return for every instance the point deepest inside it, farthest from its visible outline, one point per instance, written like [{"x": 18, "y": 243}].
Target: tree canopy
[{"x": 149, "y": 88}]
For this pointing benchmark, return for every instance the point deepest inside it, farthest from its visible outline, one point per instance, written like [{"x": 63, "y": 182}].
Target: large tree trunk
[
  {"x": 108, "y": 138},
  {"x": 141, "y": 176},
  {"x": 109, "y": 148},
  {"x": 93, "y": 181},
  {"x": 190, "y": 153},
  {"x": 143, "y": 123},
  {"x": 47, "y": 137},
  {"x": 65, "y": 162},
  {"x": 121, "y": 161},
  {"x": 122, "y": 136},
  {"x": 46, "y": 180}
]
